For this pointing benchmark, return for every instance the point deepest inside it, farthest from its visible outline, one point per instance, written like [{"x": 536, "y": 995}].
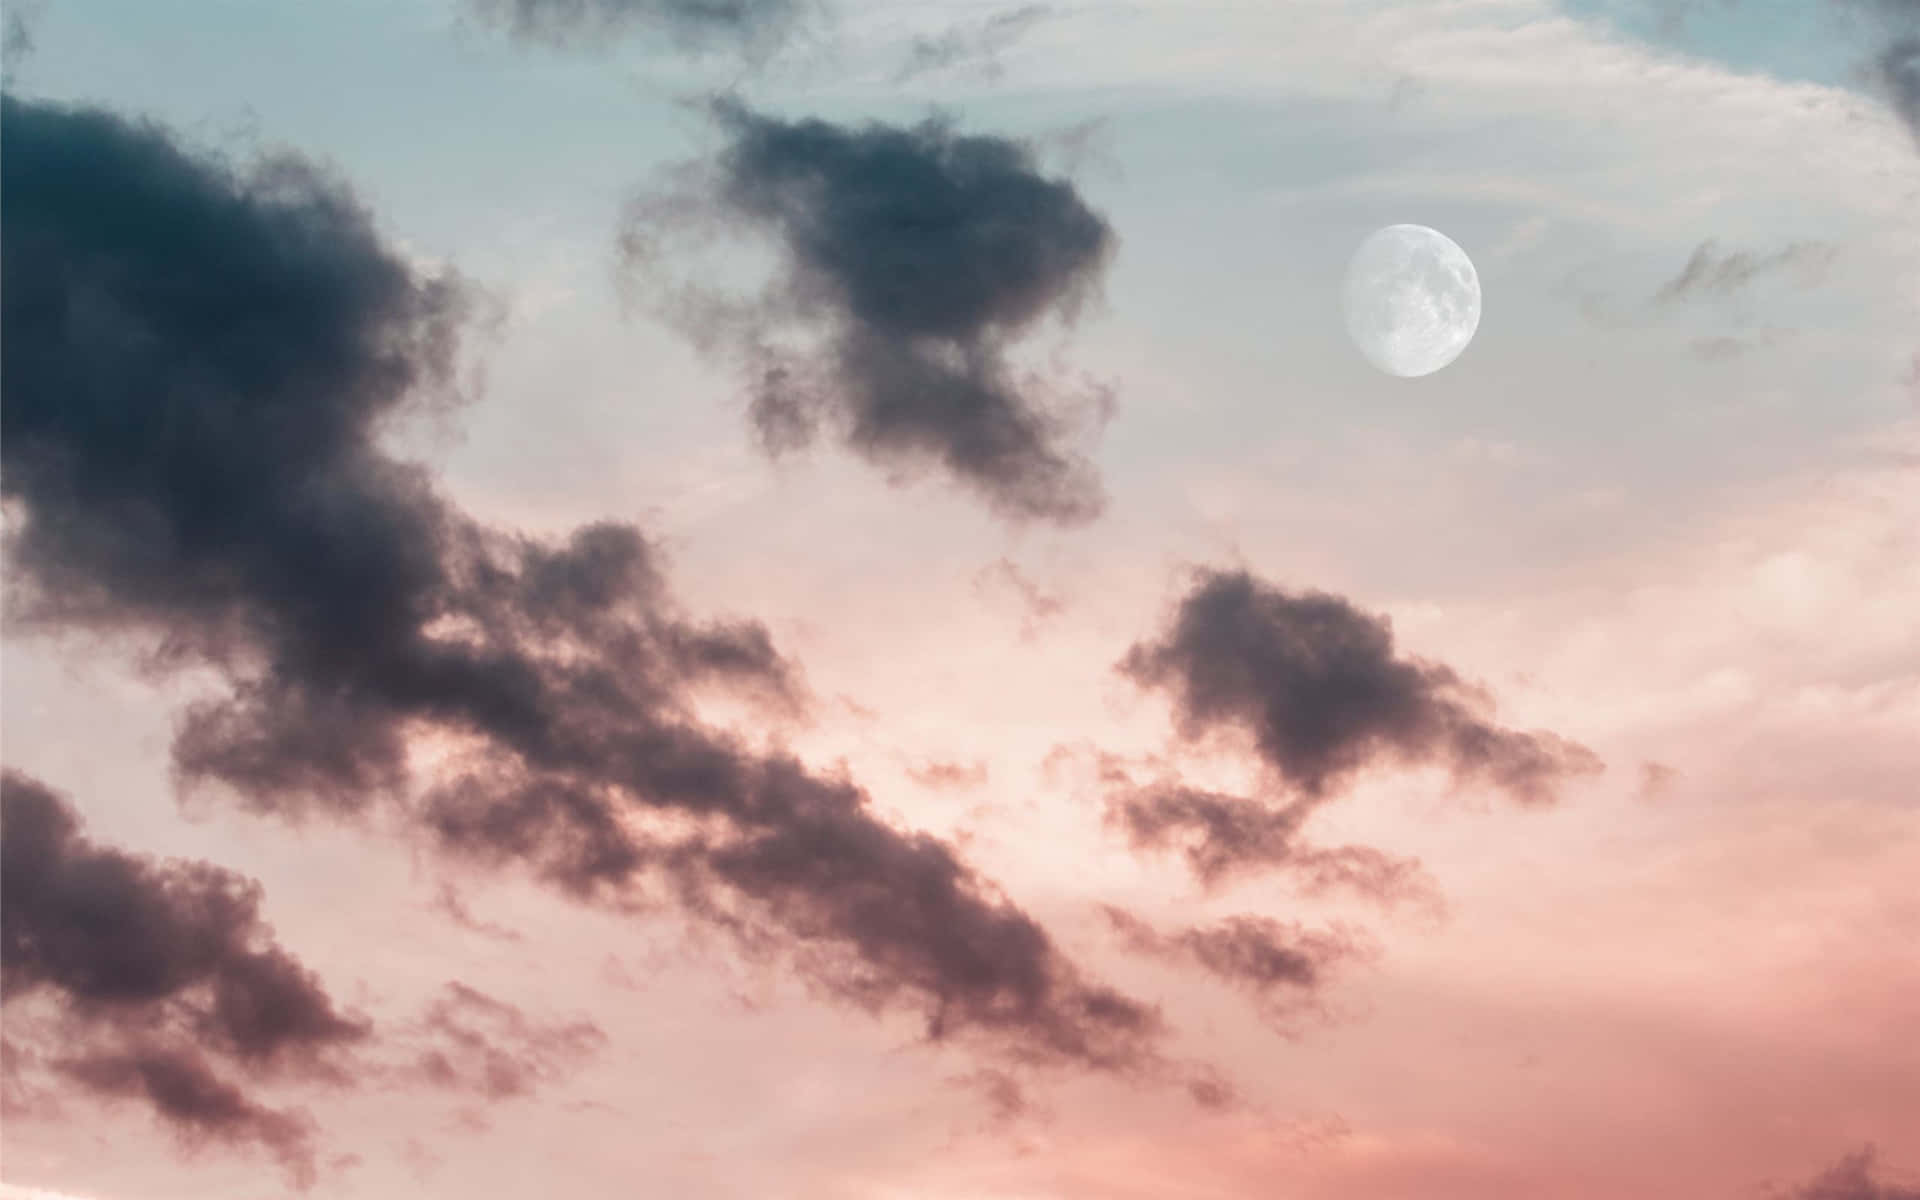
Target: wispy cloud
[
  {"x": 976, "y": 44},
  {"x": 1713, "y": 271},
  {"x": 752, "y": 25}
]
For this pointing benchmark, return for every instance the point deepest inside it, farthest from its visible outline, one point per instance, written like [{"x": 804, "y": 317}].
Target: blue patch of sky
[{"x": 1812, "y": 41}]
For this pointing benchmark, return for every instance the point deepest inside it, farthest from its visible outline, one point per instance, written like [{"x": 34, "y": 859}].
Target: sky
[{"x": 809, "y": 599}]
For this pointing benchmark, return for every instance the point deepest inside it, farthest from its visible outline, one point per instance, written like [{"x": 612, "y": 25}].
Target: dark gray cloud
[
  {"x": 917, "y": 256},
  {"x": 196, "y": 1104},
  {"x": 200, "y": 363},
  {"x": 157, "y": 969},
  {"x": 1284, "y": 967},
  {"x": 1317, "y": 686},
  {"x": 751, "y": 25},
  {"x": 128, "y": 941},
  {"x": 976, "y": 43},
  {"x": 477, "y": 1043},
  {"x": 1714, "y": 271},
  {"x": 1854, "y": 1177}
]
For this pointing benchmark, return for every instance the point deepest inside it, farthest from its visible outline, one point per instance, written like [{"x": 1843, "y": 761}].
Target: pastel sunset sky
[{"x": 809, "y": 600}]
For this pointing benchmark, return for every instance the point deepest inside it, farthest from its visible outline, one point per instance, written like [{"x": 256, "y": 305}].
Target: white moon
[{"x": 1412, "y": 299}]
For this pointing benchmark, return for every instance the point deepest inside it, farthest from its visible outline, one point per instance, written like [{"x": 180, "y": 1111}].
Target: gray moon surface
[{"x": 1412, "y": 300}]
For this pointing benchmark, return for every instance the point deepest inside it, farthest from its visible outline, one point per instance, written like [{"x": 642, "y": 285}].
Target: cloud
[
  {"x": 1283, "y": 966},
  {"x": 752, "y": 25},
  {"x": 155, "y": 968},
  {"x": 1007, "y": 1102},
  {"x": 1895, "y": 67},
  {"x": 17, "y": 40},
  {"x": 197, "y": 1104},
  {"x": 487, "y": 1046},
  {"x": 1040, "y": 606},
  {"x": 978, "y": 42},
  {"x": 199, "y": 366},
  {"x": 918, "y": 255},
  {"x": 1223, "y": 836},
  {"x": 1656, "y": 779},
  {"x": 1853, "y": 1178},
  {"x": 127, "y": 941},
  {"x": 1317, "y": 686},
  {"x": 447, "y": 901},
  {"x": 1898, "y": 70},
  {"x": 1213, "y": 1092},
  {"x": 1711, "y": 271},
  {"x": 949, "y": 774}
]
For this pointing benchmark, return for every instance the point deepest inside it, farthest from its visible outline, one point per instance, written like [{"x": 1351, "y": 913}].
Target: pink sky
[{"x": 1695, "y": 973}]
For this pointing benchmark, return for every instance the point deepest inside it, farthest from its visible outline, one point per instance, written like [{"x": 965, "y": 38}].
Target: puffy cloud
[
  {"x": 125, "y": 940},
  {"x": 919, "y": 255},
  {"x": 1319, "y": 688},
  {"x": 158, "y": 970}
]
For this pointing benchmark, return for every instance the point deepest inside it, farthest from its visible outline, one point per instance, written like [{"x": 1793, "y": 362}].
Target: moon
[{"x": 1412, "y": 299}]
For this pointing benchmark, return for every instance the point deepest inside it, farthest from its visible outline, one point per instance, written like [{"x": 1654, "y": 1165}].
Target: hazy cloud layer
[
  {"x": 915, "y": 256},
  {"x": 199, "y": 364},
  {"x": 1318, "y": 687}
]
